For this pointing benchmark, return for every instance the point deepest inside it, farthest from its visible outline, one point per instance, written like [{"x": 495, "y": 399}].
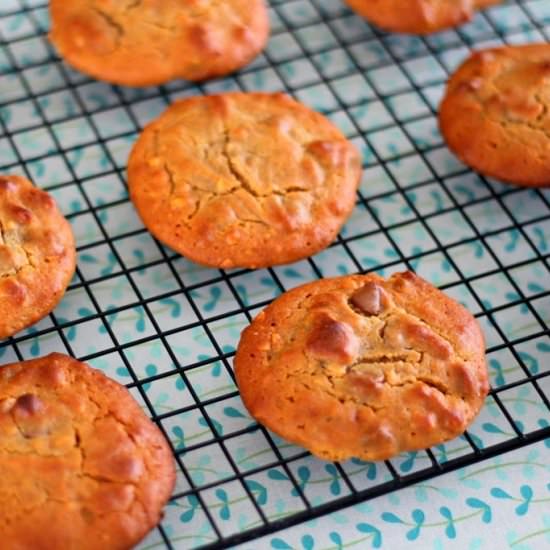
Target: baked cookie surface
[
  {"x": 243, "y": 180},
  {"x": 153, "y": 41},
  {"x": 494, "y": 115},
  {"x": 37, "y": 254},
  {"x": 418, "y": 16},
  {"x": 82, "y": 466},
  {"x": 359, "y": 366}
]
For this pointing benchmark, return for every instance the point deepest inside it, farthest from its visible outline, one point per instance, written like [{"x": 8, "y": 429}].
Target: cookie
[
  {"x": 359, "y": 366},
  {"x": 494, "y": 115},
  {"x": 37, "y": 254},
  {"x": 243, "y": 180},
  {"x": 150, "y": 42},
  {"x": 82, "y": 466},
  {"x": 419, "y": 16}
]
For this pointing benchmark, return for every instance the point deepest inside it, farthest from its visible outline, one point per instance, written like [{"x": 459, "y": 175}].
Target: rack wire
[{"x": 168, "y": 329}]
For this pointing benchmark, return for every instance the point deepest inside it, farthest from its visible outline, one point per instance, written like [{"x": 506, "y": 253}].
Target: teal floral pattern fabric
[{"x": 501, "y": 503}]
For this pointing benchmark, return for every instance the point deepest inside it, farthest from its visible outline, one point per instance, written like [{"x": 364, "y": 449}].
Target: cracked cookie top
[
  {"x": 37, "y": 254},
  {"x": 494, "y": 115},
  {"x": 359, "y": 366},
  {"x": 243, "y": 180},
  {"x": 418, "y": 16},
  {"x": 82, "y": 466},
  {"x": 147, "y": 42}
]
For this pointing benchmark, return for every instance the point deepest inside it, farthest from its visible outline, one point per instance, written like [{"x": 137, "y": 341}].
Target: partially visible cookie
[
  {"x": 495, "y": 113},
  {"x": 82, "y": 466},
  {"x": 418, "y": 16},
  {"x": 153, "y": 41},
  {"x": 359, "y": 366},
  {"x": 37, "y": 254},
  {"x": 243, "y": 180}
]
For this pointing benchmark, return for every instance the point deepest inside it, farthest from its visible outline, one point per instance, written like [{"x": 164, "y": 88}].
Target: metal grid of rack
[{"x": 154, "y": 321}]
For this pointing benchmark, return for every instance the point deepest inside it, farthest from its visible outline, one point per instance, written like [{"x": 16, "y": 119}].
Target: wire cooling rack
[{"x": 168, "y": 329}]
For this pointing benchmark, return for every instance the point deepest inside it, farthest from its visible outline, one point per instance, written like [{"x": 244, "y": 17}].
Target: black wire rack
[{"x": 484, "y": 243}]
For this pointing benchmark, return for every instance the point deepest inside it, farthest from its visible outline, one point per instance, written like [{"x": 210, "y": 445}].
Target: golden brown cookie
[
  {"x": 359, "y": 366},
  {"x": 494, "y": 115},
  {"x": 82, "y": 466},
  {"x": 418, "y": 16},
  {"x": 147, "y": 42},
  {"x": 243, "y": 180},
  {"x": 37, "y": 254}
]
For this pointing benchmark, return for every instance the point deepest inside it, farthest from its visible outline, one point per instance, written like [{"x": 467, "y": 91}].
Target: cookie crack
[
  {"x": 247, "y": 220},
  {"x": 341, "y": 398},
  {"x": 245, "y": 184},
  {"x": 171, "y": 178},
  {"x": 350, "y": 398},
  {"x": 436, "y": 384},
  {"x": 170, "y": 29},
  {"x": 544, "y": 106},
  {"x": 432, "y": 328},
  {"x": 403, "y": 311},
  {"x": 524, "y": 123},
  {"x": 133, "y": 5},
  {"x": 428, "y": 380},
  {"x": 171, "y": 175},
  {"x": 109, "y": 19},
  {"x": 388, "y": 357}
]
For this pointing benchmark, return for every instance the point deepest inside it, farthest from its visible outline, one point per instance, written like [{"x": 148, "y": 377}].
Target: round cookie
[
  {"x": 419, "y": 16},
  {"x": 153, "y": 41},
  {"x": 82, "y": 466},
  {"x": 494, "y": 115},
  {"x": 243, "y": 180},
  {"x": 359, "y": 366},
  {"x": 37, "y": 254}
]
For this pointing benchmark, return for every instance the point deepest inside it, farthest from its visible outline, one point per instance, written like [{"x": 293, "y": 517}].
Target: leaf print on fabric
[
  {"x": 224, "y": 511},
  {"x": 527, "y": 495},
  {"x": 258, "y": 490},
  {"x": 408, "y": 464},
  {"x": 335, "y": 479},
  {"x": 489, "y": 427},
  {"x": 280, "y": 544},
  {"x": 307, "y": 542},
  {"x": 418, "y": 518},
  {"x": 304, "y": 475},
  {"x": 371, "y": 530},
  {"x": 450, "y": 530},
  {"x": 232, "y": 412},
  {"x": 369, "y": 468},
  {"x": 277, "y": 475},
  {"x": 70, "y": 332},
  {"x": 174, "y": 307},
  {"x": 337, "y": 540},
  {"x": 217, "y": 426},
  {"x": 498, "y": 376},
  {"x": 480, "y": 505},
  {"x": 500, "y": 493},
  {"x": 179, "y": 434},
  {"x": 525, "y": 498},
  {"x": 188, "y": 515},
  {"x": 391, "y": 518},
  {"x": 530, "y": 362}
]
